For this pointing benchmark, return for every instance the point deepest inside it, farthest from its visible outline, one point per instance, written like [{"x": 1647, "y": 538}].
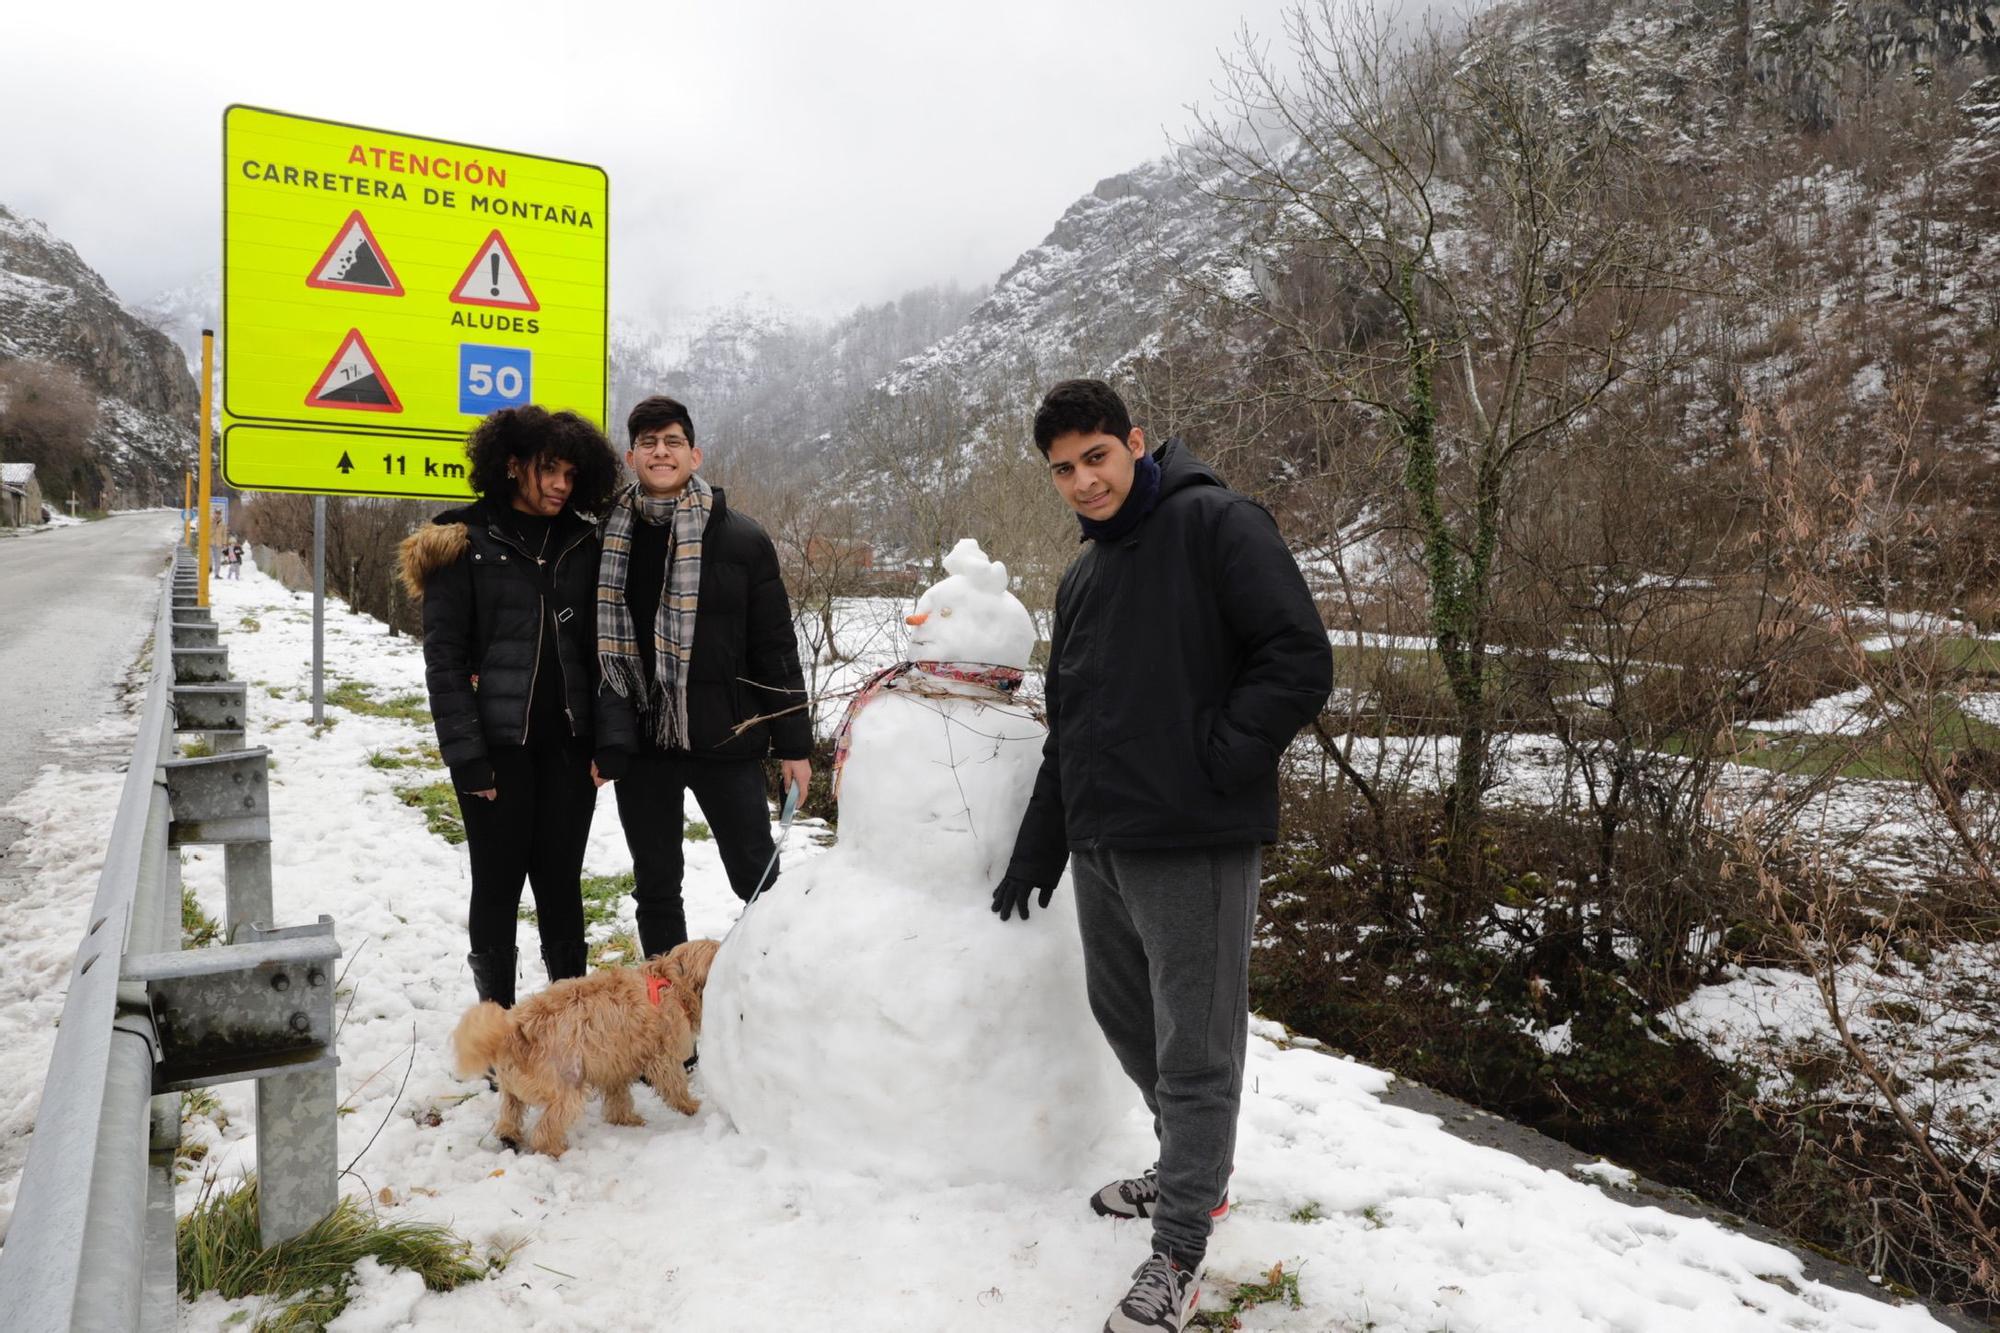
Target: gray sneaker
[
  {"x": 1138, "y": 1196},
  {"x": 1162, "y": 1299}
]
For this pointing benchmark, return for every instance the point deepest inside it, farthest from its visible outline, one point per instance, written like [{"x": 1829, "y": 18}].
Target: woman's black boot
[{"x": 493, "y": 975}]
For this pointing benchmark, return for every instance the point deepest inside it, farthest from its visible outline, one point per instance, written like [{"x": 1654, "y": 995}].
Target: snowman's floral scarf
[{"x": 1002, "y": 680}]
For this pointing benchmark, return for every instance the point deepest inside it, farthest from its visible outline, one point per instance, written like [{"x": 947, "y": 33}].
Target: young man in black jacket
[
  {"x": 701, "y": 671},
  {"x": 1185, "y": 656}
]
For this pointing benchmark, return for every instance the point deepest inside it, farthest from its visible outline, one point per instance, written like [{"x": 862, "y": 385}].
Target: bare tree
[
  {"x": 1501, "y": 252},
  {"x": 47, "y": 415}
]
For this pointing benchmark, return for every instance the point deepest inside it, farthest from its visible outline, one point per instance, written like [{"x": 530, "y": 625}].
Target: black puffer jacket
[
  {"x": 484, "y": 603},
  {"x": 1185, "y": 657},
  {"x": 746, "y": 657}
]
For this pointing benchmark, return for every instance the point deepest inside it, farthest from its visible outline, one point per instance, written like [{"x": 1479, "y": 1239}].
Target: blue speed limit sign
[{"x": 490, "y": 378}]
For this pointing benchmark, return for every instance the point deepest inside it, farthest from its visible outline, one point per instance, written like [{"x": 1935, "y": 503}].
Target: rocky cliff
[{"x": 54, "y": 307}]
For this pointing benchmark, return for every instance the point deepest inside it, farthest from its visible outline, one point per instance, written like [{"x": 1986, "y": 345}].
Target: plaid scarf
[
  {"x": 1002, "y": 680},
  {"x": 664, "y": 709}
]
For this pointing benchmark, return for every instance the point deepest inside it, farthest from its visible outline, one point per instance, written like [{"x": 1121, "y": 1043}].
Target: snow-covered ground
[{"x": 1389, "y": 1223}]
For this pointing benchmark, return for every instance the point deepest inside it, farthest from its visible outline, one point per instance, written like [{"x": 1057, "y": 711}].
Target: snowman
[{"x": 868, "y": 1012}]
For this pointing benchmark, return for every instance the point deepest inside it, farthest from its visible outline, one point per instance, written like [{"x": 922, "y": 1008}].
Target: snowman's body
[{"x": 870, "y": 1011}]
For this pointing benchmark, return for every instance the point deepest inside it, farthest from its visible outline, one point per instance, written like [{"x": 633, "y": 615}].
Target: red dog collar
[{"x": 654, "y": 985}]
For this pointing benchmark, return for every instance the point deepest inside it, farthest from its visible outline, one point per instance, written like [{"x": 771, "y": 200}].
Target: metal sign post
[
  {"x": 202, "y": 516},
  {"x": 319, "y": 609}
]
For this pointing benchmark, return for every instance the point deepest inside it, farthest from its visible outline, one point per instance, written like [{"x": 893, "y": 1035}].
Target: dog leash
[{"x": 785, "y": 817}]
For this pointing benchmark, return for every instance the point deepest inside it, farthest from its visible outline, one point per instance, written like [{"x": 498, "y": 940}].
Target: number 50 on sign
[{"x": 490, "y": 378}]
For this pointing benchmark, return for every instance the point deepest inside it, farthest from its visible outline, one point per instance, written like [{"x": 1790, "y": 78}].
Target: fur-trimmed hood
[{"x": 426, "y": 551}]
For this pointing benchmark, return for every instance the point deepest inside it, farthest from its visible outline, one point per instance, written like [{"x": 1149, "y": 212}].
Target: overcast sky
[{"x": 820, "y": 155}]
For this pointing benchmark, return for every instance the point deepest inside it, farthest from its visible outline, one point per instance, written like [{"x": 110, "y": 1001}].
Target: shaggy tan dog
[{"x": 601, "y": 1031}]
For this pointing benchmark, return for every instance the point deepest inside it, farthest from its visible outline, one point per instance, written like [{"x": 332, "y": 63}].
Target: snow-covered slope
[{"x": 54, "y": 307}]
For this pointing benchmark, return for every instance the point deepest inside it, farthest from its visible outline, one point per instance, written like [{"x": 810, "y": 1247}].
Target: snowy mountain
[
  {"x": 55, "y": 308},
  {"x": 1092, "y": 293},
  {"x": 183, "y": 312}
]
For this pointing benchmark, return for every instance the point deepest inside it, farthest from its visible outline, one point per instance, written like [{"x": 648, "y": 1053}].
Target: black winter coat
[
  {"x": 484, "y": 600},
  {"x": 745, "y": 663},
  {"x": 1185, "y": 657}
]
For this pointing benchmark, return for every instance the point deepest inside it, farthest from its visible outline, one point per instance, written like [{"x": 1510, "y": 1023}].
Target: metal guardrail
[{"x": 91, "y": 1241}]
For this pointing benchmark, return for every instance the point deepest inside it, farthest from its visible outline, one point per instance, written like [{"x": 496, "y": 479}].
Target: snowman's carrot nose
[{"x": 917, "y": 619}]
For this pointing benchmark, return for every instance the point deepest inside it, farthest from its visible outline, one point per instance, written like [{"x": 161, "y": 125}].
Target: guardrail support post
[
  {"x": 297, "y": 1168},
  {"x": 218, "y": 710},
  {"x": 260, "y": 1007},
  {"x": 246, "y": 881},
  {"x": 226, "y": 799}
]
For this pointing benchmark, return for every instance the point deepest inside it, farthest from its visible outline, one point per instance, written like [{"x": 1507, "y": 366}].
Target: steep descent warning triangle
[
  {"x": 355, "y": 262},
  {"x": 494, "y": 278},
  {"x": 354, "y": 380}
]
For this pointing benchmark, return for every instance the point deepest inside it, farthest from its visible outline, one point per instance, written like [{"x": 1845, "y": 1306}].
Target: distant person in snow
[
  {"x": 1185, "y": 656},
  {"x": 701, "y": 671},
  {"x": 509, "y": 658}
]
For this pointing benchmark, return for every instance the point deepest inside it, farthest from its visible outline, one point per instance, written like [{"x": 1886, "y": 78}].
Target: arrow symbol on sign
[{"x": 345, "y": 464}]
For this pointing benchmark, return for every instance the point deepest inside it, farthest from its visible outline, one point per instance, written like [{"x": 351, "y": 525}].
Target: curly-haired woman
[{"x": 510, "y": 655}]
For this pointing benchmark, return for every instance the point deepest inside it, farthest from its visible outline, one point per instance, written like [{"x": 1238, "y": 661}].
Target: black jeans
[
  {"x": 535, "y": 829},
  {"x": 650, "y": 799}
]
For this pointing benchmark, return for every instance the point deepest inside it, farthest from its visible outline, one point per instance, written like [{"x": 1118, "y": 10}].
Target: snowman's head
[{"x": 970, "y": 616}]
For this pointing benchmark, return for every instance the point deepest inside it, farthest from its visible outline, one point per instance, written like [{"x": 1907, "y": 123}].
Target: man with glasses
[{"x": 701, "y": 671}]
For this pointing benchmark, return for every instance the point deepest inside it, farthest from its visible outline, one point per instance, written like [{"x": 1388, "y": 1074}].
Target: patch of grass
[
  {"x": 600, "y": 907},
  {"x": 1309, "y": 1213},
  {"x": 250, "y": 623},
  {"x": 202, "y": 1101},
  {"x": 310, "y": 1275},
  {"x": 439, "y": 802},
  {"x": 1277, "y": 1287},
  {"x": 615, "y": 950},
  {"x": 1978, "y": 657},
  {"x": 600, "y": 897},
  {"x": 197, "y": 747},
  {"x": 357, "y": 697},
  {"x": 406, "y": 756},
  {"x": 1881, "y": 755},
  {"x": 696, "y": 831},
  {"x": 198, "y": 928}
]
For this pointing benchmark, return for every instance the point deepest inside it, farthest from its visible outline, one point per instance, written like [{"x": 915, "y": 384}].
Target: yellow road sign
[{"x": 383, "y": 291}]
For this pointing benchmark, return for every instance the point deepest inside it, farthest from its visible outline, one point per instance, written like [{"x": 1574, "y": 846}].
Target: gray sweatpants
[{"x": 1166, "y": 958}]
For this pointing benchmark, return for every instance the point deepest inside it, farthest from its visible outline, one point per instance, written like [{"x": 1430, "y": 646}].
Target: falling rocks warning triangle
[
  {"x": 494, "y": 278},
  {"x": 354, "y": 381},
  {"x": 354, "y": 262}
]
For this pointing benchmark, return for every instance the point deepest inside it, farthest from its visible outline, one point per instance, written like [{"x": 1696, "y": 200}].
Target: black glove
[
  {"x": 473, "y": 775},
  {"x": 612, "y": 764},
  {"x": 1013, "y": 894}
]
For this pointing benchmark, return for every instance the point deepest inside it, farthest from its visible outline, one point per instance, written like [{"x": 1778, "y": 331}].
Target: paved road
[{"x": 75, "y": 608}]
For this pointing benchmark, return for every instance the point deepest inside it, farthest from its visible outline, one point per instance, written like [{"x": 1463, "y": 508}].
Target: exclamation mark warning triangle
[
  {"x": 494, "y": 278},
  {"x": 355, "y": 262},
  {"x": 353, "y": 380}
]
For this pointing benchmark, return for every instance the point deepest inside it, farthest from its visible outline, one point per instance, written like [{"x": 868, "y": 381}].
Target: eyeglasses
[{"x": 672, "y": 444}]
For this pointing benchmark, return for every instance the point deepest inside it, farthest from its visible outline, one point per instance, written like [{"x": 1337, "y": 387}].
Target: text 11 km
[{"x": 397, "y": 465}]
